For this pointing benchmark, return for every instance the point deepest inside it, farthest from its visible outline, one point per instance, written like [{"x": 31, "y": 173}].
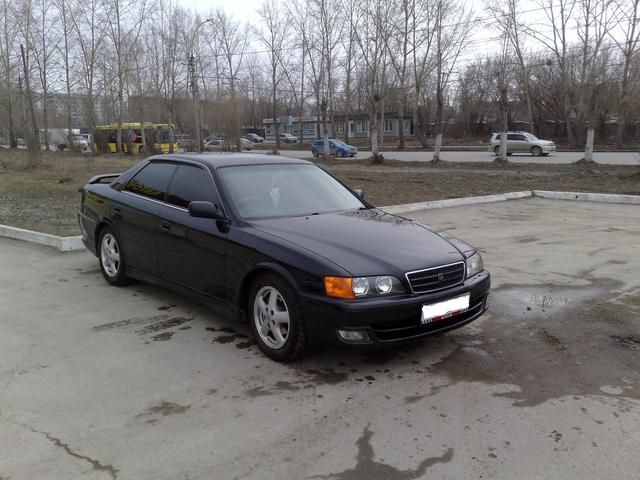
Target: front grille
[
  {"x": 413, "y": 328},
  {"x": 436, "y": 278}
]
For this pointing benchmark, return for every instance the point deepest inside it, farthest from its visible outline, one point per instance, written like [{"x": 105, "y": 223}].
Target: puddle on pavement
[
  {"x": 164, "y": 409},
  {"x": 538, "y": 343},
  {"x": 551, "y": 342},
  {"x": 368, "y": 468}
]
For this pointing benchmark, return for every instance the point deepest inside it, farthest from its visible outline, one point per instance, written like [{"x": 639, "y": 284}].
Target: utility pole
[
  {"x": 196, "y": 102},
  {"x": 24, "y": 108},
  {"x": 191, "y": 63}
]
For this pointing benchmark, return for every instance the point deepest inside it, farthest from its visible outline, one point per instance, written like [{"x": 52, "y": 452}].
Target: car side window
[
  {"x": 152, "y": 181},
  {"x": 511, "y": 136},
  {"x": 191, "y": 183}
]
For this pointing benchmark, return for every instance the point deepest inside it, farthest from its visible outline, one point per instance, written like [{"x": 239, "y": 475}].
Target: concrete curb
[
  {"x": 455, "y": 202},
  {"x": 588, "y": 197},
  {"x": 64, "y": 244}
]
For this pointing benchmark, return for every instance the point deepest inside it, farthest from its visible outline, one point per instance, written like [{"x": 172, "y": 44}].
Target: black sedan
[{"x": 280, "y": 243}]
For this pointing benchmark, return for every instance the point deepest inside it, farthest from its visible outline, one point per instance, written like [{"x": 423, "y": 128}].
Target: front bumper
[
  {"x": 548, "y": 148},
  {"x": 389, "y": 320}
]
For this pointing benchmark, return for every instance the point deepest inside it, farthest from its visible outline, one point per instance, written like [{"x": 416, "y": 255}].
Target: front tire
[
  {"x": 536, "y": 151},
  {"x": 315, "y": 153},
  {"x": 275, "y": 319},
  {"x": 111, "y": 256}
]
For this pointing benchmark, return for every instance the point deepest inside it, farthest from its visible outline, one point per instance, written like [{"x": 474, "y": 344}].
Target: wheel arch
[
  {"x": 250, "y": 277},
  {"x": 96, "y": 235}
]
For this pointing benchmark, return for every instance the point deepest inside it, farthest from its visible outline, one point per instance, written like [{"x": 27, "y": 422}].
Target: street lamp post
[{"x": 191, "y": 62}]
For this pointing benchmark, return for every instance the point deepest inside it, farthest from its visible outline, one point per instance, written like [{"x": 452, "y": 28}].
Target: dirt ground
[{"x": 46, "y": 198}]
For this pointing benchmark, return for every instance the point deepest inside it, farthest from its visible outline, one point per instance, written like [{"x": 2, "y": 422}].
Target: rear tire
[
  {"x": 111, "y": 258},
  {"x": 496, "y": 150},
  {"x": 275, "y": 318}
]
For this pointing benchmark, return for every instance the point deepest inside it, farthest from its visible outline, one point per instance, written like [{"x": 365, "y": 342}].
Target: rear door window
[
  {"x": 191, "y": 183},
  {"x": 152, "y": 181}
]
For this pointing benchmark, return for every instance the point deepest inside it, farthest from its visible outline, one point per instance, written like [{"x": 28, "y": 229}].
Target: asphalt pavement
[
  {"x": 98, "y": 382},
  {"x": 612, "y": 158}
]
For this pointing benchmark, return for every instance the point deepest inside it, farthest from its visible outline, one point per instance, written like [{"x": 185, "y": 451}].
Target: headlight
[
  {"x": 362, "y": 287},
  {"x": 474, "y": 265}
]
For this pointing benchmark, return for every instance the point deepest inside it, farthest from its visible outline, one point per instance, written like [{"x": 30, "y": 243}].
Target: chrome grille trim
[{"x": 423, "y": 282}]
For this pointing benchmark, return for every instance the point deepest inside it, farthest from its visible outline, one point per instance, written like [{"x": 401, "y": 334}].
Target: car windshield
[
  {"x": 531, "y": 136},
  {"x": 339, "y": 142},
  {"x": 285, "y": 190}
]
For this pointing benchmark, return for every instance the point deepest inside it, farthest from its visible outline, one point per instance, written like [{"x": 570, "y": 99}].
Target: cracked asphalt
[{"x": 98, "y": 382}]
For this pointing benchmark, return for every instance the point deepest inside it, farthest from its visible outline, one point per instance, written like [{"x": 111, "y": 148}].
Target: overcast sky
[{"x": 482, "y": 41}]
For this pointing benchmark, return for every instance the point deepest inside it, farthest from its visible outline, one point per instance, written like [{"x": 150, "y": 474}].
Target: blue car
[{"x": 336, "y": 148}]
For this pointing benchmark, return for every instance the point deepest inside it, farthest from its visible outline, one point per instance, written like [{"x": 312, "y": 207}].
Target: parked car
[
  {"x": 522, "y": 142},
  {"x": 254, "y": 137},
  {"x": 288, "y": 138},
  {"x": 185, "y": 142},
  {"x": 280, "y": 243},
  {"x": 336, "y": 148},
  {"x": 218, "y": 144}
]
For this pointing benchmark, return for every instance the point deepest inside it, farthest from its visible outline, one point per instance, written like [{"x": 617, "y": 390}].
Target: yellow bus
[{"x": 159, "y": 138}]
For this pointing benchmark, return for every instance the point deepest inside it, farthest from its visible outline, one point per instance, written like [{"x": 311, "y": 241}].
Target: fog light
[{"x": 354, "y": 335}]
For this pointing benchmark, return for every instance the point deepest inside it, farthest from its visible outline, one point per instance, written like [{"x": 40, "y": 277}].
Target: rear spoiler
[{"x": 100, "y": 178}]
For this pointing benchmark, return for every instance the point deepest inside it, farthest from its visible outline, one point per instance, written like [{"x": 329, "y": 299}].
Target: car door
[
  {"x": 136, "y": 214},
  {"x": 517, "y": 143},
  {"x": 191, "y": 251}
]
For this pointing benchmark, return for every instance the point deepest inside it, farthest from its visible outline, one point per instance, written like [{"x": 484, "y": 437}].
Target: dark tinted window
[
  {"x": 152, "y": 181},
  {"x": 515, "y": 136},
  {"x": 189, "y": 184}
]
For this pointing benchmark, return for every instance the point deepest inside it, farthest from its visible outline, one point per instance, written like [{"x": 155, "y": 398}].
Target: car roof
[{"x": 216, "y": 160}]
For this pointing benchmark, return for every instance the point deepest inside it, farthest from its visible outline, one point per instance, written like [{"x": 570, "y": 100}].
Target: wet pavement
[{"x": 137, "y": 382}]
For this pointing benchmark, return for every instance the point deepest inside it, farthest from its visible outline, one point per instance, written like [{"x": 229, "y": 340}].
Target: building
[
  {"x": 311, "y": 127},
  {"x": 358, "y": 125}
]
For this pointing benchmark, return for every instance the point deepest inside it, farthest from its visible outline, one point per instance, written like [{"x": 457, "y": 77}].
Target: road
[
  {"x": 105, "y": 383},
  {"x": 612, "y": 158}
]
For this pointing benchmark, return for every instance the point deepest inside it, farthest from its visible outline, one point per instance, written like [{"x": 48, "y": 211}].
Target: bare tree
[
  {"x": 124, "y": 24},
  {"x": 87, "y": 21},
  {"x": 232, "y": 37},
  {"x": 559, "y": 14},
  {"x": 7, "y": 33},
  {"x": 397, "y": 40},
  {"x": 512, "y": 29},
  {"x": 273, "y": 37},
  {"x": 371, "y": 43},
  {"x": 627, "y": 14},
  {"x": 452, "y": 27}
]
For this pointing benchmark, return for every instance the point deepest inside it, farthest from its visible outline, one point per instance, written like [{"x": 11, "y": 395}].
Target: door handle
[
  {"x": 116, "y": 209},
  {"x": 165, "y": 226}
]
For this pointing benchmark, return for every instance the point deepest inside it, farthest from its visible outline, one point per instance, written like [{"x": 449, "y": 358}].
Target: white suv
[
  {"x": 288, "y": 138},
  {"x": 522, "y": 142}
]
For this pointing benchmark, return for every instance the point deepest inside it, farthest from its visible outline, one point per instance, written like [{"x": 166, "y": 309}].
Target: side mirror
[
  {"x": 359, "y": 193},
  {"x": 205, "y": 210}
]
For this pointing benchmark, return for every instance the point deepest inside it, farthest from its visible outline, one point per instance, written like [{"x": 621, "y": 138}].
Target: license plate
[{"x": 442, "y": 310}]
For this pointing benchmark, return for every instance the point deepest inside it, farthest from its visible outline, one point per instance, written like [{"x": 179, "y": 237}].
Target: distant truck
[{"x": 58, "y": 139}]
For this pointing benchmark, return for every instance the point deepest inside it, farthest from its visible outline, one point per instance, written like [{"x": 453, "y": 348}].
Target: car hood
[{"x": 365, "y": 242}]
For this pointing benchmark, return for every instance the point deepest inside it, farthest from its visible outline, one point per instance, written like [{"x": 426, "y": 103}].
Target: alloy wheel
[
  {"x": 271, "y": 317},
  {"x": 110, "y": 255}
]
